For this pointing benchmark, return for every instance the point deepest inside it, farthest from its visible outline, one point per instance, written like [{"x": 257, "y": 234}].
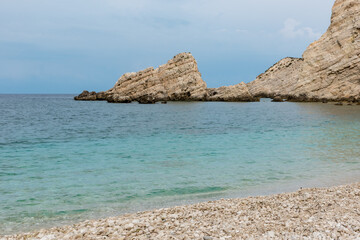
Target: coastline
[
  {"x": 283, "y": 170},
  {"x": 313, "y": 213}
]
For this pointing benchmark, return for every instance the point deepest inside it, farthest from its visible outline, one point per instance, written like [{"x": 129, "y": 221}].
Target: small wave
[
  {"x": 185, "y": 191},
  {"x": 8, "y": 174},
  {"x": 50, "y": 214}
]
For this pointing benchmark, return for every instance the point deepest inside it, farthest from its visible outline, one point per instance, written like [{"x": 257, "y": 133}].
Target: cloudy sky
[{"x": 65, "y": 46}]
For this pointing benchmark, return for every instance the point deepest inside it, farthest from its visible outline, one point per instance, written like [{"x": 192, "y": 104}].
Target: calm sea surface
[{"x": 63, "y": 161}]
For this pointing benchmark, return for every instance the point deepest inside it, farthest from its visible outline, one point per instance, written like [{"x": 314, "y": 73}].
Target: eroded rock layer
[{"x": 329, "y": 69}]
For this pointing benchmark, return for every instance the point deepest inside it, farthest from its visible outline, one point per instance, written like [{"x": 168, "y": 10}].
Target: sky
[{"x": 66, "y": 46}]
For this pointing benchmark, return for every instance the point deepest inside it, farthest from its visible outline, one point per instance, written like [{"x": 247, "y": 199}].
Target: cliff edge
[{"x": 329, "y": 69}]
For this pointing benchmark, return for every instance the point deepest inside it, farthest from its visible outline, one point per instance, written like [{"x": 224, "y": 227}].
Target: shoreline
[{"x": 309, "y": 213}]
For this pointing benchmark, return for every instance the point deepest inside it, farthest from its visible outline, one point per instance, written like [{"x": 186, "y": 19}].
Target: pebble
[{"x": 318, "y": 213}]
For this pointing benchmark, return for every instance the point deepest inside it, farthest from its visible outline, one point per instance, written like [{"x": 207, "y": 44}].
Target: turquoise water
[{"x": 63, "y": 161}]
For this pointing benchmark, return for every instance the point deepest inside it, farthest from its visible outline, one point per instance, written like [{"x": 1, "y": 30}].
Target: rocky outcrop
[
  {"x": 236, "y": 93},
  {"x": 92, "y": 96},
  {"x": 329, "y": 69},
  {"x": 177, "y": 80}
]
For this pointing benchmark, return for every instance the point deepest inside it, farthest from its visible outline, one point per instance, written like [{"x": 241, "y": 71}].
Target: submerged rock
[
  {"x": 148, "y": 99},
  {"x": 277, "y": 99}
]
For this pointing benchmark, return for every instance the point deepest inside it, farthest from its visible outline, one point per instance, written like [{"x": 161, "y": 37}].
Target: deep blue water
[{"x": 63, "y": 161}]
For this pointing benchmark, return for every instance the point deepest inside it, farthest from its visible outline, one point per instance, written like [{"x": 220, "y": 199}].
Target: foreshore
[{"x": 317, "y": 213}]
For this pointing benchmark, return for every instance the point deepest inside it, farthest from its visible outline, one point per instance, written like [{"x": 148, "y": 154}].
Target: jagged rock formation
[
  {"x": 177, "y": 80},
  {"x": 91, "y": 96},
  {"x": 329, "y": 69}
]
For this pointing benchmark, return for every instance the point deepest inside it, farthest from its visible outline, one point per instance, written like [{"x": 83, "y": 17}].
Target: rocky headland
[
  {"x": 329, "y": 70},
  {"x": 177, "y": 80}
]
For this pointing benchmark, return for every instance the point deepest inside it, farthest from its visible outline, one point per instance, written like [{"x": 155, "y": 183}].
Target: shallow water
[{"x": 63, "y": 161}]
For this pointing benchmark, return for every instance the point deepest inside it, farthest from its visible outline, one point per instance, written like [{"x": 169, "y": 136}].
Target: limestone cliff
[
  {"x": 179, "y": 79},
  {"x": 329, "y": 69}
]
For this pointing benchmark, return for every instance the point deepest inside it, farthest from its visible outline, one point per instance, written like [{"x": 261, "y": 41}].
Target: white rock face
[
  {"x": 280, "y": 79},
  {"x": 330, "y": 68},
  {"x": 178, "y": 79}
]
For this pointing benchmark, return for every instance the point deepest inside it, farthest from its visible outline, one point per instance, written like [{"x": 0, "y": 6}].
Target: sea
[{"x": 64, "y": 161}]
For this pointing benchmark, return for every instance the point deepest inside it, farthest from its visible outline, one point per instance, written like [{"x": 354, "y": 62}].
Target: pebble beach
[{"x": 317, "y": 213}]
